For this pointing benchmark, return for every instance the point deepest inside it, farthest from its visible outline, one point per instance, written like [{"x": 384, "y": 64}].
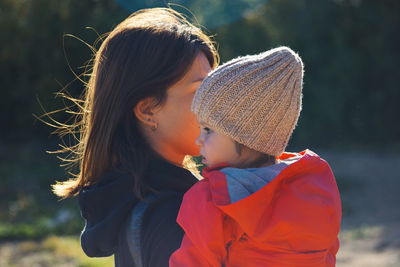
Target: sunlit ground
[
  {"x": 52, "y": 251},
  {"x": 370, "y": 187}
]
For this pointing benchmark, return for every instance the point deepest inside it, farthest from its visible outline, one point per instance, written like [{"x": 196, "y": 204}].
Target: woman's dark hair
[{"x": 144, "y": 55}]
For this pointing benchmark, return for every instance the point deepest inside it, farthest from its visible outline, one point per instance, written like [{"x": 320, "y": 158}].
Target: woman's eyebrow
[{"x": 198, "y": 80}]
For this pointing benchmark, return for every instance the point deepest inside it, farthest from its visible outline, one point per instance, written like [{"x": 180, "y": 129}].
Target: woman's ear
[{"x": 145, "y": 111}]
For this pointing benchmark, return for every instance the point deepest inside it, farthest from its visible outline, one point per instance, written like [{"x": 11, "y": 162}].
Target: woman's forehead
[{"x": 199, "y": 69}]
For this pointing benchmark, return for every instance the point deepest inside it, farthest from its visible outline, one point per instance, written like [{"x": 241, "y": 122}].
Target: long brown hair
[{"x": 143, "y": 56}]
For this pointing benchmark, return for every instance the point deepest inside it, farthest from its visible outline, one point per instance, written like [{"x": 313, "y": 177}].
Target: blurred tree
[{"x": 32, "y": 61}]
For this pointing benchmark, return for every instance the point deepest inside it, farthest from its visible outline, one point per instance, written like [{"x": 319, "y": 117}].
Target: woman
[{"x": 135, "y": 129}]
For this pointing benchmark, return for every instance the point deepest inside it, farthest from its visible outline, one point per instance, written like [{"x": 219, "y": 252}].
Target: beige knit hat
[{"x": 255, "y": 100}]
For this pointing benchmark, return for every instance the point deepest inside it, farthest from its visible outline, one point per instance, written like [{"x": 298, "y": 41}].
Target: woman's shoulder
[
  {"x": 161, "y": 206},
  {"x": 155, "y": 211},
  {"x": 152, "y": 233}
]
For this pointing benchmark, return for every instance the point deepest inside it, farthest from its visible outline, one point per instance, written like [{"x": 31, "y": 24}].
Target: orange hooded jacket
[{"x": 287, "y": 214}]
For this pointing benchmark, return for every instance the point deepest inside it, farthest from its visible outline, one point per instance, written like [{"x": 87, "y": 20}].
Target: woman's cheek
[
  {"x": 192, "y": 133},
  {"x": 186, "y": 132}
]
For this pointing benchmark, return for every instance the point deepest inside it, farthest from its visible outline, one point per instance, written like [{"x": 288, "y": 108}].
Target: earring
[{"x": 154, "y": 127}]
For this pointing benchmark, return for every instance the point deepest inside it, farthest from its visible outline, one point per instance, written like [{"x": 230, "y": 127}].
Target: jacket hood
[
  {"x": 106, "y": 205},
  {"x": 289, "y": 195}
]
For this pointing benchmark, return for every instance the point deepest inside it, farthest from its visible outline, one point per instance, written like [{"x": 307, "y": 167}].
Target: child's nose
[{"x": 198, "y": 141}]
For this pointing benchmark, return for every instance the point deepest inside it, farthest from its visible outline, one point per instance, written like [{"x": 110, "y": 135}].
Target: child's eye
[{"x": 207, "y": 130}]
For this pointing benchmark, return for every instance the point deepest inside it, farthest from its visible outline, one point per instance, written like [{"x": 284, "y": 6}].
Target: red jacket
[{"x": 292, "y": 220}]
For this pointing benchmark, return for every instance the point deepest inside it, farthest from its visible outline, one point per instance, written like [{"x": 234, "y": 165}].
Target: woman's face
[{"x": 177, "y": 126}]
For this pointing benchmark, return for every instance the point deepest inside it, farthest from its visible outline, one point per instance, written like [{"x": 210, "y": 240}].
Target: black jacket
[{"x": 107, "y": 205}]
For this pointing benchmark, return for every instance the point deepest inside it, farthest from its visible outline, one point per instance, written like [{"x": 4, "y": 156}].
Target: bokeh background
[{"x": 351, "y": 51}]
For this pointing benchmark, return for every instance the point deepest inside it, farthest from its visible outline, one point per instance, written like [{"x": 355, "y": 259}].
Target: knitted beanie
[{"x": 255, "y": 99}]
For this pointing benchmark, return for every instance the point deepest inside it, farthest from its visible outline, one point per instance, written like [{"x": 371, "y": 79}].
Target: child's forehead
[{"x": 202, "y": 123}]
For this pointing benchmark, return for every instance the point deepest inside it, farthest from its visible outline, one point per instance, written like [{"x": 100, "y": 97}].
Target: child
[{"x": 257, "y": 206}]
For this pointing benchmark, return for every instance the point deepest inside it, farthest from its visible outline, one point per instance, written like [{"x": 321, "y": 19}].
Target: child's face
[{"x": 216, "y": 148}]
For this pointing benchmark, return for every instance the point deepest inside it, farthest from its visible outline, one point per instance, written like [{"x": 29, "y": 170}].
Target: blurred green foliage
[
  {"x": 350, "y": 49},
  {"x": 28, "y": 208},
  {"x": 33, "y": 63}
]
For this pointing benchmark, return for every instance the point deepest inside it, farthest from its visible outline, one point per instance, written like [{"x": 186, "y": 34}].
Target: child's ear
[{"x": 145, "y": 111}]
